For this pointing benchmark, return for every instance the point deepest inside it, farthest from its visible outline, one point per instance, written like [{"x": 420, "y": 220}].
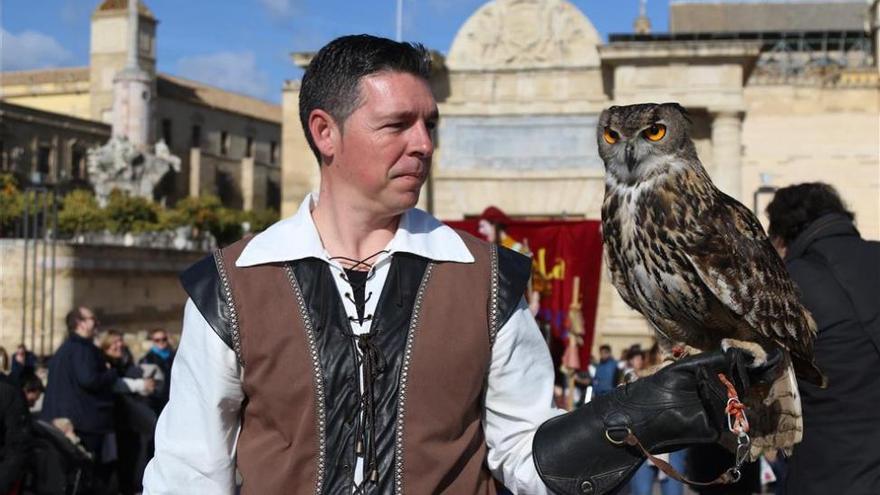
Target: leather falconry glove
[{"x": 582, "y": 452}]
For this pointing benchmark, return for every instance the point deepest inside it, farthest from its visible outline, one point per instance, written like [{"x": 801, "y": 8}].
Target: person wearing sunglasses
[{"x": 161, "y": 354}]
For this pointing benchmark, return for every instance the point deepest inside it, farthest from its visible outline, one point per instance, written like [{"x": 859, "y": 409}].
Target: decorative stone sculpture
[
  {"x": 513, "y": 34},
  {"x": 120, "y": 165}
]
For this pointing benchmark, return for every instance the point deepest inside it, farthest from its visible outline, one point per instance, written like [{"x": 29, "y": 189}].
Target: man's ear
[{"x": 324, "y": 131}]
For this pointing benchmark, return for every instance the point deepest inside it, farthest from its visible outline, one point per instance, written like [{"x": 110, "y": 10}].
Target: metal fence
[{"x": 37, "y": 228}]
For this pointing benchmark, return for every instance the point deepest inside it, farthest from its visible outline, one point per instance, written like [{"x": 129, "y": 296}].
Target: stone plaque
[{"x": 519, "y": 143}]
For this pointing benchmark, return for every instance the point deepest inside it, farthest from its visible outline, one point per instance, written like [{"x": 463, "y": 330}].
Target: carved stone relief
[{"x": 515, "y": 34}]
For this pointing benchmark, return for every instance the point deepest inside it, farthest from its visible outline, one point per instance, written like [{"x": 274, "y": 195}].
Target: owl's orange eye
[
  {"x": 655, "y": 132},
  {"x": 610, "y": 136}
]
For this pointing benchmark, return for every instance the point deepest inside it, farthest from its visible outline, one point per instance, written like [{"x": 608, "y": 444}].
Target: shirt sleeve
[
  {"x": 519, "y": 398},
  {"x": 197, "y": 432}
]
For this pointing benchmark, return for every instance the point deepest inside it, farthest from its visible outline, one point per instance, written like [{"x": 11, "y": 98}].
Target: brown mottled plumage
[{"x": 694, "y": 261}]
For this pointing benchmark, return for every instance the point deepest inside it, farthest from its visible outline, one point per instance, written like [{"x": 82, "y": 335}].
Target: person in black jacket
[
  {"x": 838, "y": 274},
  {"x": 80, "y": 388},
  {"x": 15, "y": 435},
  {"x": 161, "y": 354}
]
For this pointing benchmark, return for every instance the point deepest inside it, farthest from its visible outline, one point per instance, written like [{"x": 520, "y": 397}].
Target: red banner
[{"x": 562, "y": 252}]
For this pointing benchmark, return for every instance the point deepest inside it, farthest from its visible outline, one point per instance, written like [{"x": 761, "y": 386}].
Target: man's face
[
  {"x": 604, "y": 354},
  {"x": 88, "y": 323},
  {"x": 487, "y": 230},
  {"x": 383, "y": 155},
  {"x": 160, "y": 340},
  {"x": 32, "y": 396}
]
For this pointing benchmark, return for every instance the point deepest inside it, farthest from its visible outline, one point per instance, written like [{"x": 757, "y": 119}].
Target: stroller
[{"x": 58, "y": 466}]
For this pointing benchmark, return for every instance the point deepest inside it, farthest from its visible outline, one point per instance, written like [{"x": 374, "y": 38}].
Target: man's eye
[{"x": 431, "y": 125}]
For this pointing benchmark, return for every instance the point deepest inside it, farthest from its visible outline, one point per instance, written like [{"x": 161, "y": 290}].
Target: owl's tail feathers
[
  {"x": 775, "y": 415},
  {"x": 807, "y": 370}
]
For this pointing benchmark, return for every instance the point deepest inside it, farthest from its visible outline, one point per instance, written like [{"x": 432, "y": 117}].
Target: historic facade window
[
  {"x": 77, "y": 162},
  {"x": 166, "y": 131},
  {"x": 273, "y": 152},
  {"x": 224, "y": 143},
  {"x": 249, "y": 147},
  {"x": 44, "y": 155},
  {"x": 195, "y": 140}
]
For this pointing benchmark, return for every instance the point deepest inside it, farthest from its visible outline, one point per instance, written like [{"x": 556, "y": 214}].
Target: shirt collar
[{"x": 296, "y": 238}]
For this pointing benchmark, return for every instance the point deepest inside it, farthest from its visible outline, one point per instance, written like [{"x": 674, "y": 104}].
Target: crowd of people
[{"x": 81, "y": 420}]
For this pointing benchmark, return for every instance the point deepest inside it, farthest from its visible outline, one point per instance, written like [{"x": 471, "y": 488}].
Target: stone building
[
  {"x": 778, "y": 93},
  {"x": 229, "y": 143}
]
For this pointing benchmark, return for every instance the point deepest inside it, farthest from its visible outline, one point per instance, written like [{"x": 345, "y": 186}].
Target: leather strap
[{"x": 732, "y": 475}]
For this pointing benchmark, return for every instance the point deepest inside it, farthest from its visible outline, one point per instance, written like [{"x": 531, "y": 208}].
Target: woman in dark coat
[
  {"x": 134, "y": 421},
  {"x": 838, "y": 274}
]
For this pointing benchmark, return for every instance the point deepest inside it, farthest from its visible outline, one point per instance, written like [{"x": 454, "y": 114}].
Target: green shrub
[
  {"x": 260, "y": 219},
  {"x": 80, "y": 213},
  {"x": 11, "y": 201},
  {"x": 133, "y": 214}
]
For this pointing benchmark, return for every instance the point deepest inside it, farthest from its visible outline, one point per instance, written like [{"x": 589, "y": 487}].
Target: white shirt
[{"x": 197, "y": 432}]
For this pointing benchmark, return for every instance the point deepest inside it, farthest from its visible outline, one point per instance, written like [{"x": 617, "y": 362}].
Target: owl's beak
[{"x": 629, "y": 156}]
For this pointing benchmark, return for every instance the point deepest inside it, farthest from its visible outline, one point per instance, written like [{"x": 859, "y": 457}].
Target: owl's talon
[{"x": 759, "y": 355}]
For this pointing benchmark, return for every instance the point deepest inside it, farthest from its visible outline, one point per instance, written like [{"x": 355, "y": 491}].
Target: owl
[{"x": 697, "y": 263}]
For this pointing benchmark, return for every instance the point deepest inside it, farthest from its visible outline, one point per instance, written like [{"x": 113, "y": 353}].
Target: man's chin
[{"x": 404, "y": 201}]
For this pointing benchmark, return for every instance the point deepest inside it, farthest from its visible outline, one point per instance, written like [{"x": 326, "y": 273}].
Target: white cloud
[
  {"x": 31, "y": 50},
  {"x": 279, "y": 8},
  {"x": 233, "y": 71}
]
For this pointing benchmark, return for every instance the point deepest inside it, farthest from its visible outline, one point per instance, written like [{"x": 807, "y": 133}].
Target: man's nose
[{"x": 422, "y": 141}]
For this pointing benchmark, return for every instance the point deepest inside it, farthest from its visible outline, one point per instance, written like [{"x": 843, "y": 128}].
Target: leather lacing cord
[
  {"x": 373, "y": 361},
  {"x": 737, "y": 423}
]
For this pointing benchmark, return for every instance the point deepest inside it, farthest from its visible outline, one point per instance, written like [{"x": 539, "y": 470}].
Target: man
[
  {"x": 607, "y": 372},
  {"x": 160, "y": 354},
  {"x": 838, "y": 274},
  {"x": 361, "y": 345},
  {"x": 15, "y": 435},
  {"x": 80, "y": 388},
  {"x": 33, "y": 389}
]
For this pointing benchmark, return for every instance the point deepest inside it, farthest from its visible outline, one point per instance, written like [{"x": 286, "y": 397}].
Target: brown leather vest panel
[
  {"x": 443, "y": 444},
  {"x": 278, "y": 443}
]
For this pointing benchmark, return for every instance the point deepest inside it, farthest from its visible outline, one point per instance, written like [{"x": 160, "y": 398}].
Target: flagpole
[{"x": 399, "y": 20}]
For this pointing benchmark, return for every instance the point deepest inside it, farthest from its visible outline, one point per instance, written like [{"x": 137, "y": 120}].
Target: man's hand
[{"x": 682, "y": 404}]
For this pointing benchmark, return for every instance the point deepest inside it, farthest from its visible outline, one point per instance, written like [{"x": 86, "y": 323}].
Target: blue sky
[{"x": 245, "y": 45}]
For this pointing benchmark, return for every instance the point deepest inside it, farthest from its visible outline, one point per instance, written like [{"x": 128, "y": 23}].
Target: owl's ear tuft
[{"x": 680, "y": 109}]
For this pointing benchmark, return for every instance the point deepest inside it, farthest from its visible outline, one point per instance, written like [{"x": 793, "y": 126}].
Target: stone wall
[
  {"x": 130, "y": 289},
  {"x": 795, "y": 134}
]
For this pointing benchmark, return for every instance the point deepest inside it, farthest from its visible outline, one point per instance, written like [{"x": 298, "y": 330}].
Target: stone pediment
[{"x": 525, "y": 34}]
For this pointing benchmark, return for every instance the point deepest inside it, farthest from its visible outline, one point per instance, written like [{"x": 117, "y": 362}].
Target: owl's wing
[{"x": 734, "y": 258}]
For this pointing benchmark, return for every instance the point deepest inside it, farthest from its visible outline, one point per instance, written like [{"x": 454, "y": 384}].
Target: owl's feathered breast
[{"x": 645, "y": 227}]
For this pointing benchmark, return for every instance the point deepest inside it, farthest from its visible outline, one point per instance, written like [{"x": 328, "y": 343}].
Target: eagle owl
[{"x": 697, "y": 263}]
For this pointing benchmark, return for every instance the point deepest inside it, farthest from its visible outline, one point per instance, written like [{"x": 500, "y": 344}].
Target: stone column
[
  {"x": 195, "y": 172},
  {"x": 247, "y": 183},
  {"x": 727, "y": 152},
  {"x": 875, "y": 21},
  {"x": 299, "y": 169}
]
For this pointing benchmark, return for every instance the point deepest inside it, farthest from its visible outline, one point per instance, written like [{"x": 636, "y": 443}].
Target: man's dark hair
[
  {"x": 605, "y": 347},
  {"x": 74, "y": 316},
  {"x": 794, "y": 208},
  {"x": 32, "y": 383},
  {"x": 332, "y": 80}
]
